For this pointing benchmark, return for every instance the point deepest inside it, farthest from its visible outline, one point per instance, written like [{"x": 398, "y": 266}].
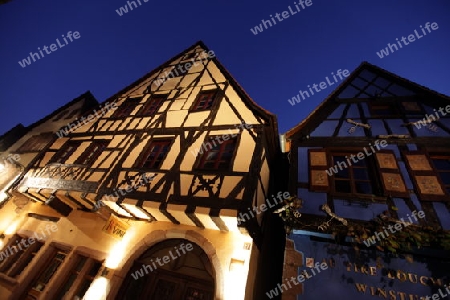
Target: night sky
[{"x": 308, "y": 44}]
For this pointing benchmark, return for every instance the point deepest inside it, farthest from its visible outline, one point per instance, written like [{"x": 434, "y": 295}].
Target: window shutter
[
  {"x": 391, "y": 178},
  {"x": 426, "y": 180},
  {"x": 318, "y": 177}
]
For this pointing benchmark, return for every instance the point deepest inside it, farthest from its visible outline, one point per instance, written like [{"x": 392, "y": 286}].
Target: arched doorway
[{"x": 174, "y": 269}]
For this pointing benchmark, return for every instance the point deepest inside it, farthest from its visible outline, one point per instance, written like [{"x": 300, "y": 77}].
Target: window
[
  {"x": 47, "y": 271},
  {"x": 65, "y": 152},
  {"x": 351, "y": 178},
  {"x": 152, "y": 106},
  {"x": 354, "y": 172},
  {"x": 126, "y": 108},
  {"x": 412, "y": 108},
  {"x": 155, "y": 153},
  {"x": 15, "y": 257},
  {"x": 79, "y": 278},
  {"x": 383, "y": 109},
  {"x": 205, "y": 100},
  {"x": 36, "y": 143},
  {"x": 92, "y": 152},
  {"x": 442, "y": 165},
  {"x": 217, "y": 156}
]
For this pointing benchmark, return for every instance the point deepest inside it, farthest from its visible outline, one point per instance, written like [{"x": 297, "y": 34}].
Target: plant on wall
[
  {"x": 345, "y": 231},
  {"x": 290, "y": 214}
]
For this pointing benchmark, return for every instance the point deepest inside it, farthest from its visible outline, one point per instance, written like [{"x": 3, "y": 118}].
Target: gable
[{"x": 374, "y": 102}]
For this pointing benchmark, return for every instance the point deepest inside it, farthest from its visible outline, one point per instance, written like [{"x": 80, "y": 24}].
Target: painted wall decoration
[{"x": 369, "y": 275}]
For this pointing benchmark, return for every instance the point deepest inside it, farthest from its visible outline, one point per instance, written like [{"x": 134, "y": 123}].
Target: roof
[
  {"x": 364, "y": 65},
  {"x": 268, "y": 116}
]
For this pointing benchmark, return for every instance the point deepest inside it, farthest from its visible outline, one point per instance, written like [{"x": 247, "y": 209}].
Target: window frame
[
  {"x": 50, "y": 256},
  {"x": 68, "y": 292},
  {"x": 395, "y": 111},
  {"x": 437, "y": 155},
  {"x": 149, "y": 109},
  {"x": 145, "y": 154},
  {"x": 16, "y": 263},
  {"x": 84, "y": 158},
  {"x": 126, "y": 107},
  {"x": 60, "y": 157},
  {"x": 201, "y": 159},
  {"x": 36, "y": 143},
  {"x": 371, "y": 180},
  {"x": 196, "y": 105}
]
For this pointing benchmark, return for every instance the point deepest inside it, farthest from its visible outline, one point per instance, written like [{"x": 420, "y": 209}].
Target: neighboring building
[
  {"x": 20, "y": 146},
  {"x": 143, "y": 201},
  {"x": 11, "y": 136},
  {"x": 374, "y": 152}
]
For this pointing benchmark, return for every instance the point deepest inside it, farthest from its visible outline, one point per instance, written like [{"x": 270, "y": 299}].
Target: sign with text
[
  {"x": 367, "y": 274},
  {"x": 116, "y": 227}
]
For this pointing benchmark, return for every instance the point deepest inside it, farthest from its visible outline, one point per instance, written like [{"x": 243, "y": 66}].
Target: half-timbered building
[
  {"x": 151, "y": 196},
  {"x": 20, "y": 146},
  {"x": 371, "y": 166}
]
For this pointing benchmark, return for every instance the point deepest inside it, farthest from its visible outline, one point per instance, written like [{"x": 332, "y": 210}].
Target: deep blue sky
[{"x": 272, "y": 66}]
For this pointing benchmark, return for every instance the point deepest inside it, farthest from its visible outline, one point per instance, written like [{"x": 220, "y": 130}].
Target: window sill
[{"x": 361, "y": 198}]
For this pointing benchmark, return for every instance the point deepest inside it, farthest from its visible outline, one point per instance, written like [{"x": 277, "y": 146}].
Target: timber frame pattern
[
  {"x": 67, "y": 186},
  {"x": 369, "y": 95}
]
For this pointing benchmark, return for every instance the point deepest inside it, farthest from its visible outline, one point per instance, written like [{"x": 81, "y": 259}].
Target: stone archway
[{"x": 153, "y": 245}]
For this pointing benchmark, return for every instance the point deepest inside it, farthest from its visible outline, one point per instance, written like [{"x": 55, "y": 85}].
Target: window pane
[
  {"x": 25, "y": 258},
  {"x": 94, "y": 269},
  {"x": 49, "y": 271},
  {"x": 80, "y": 264},
  {"x": 83, "y": 288},
  {"x": 153, "y": 104},
  {"x": 127, "y": 107},
  {"x": 66, "y": 286},
  {"x": 219, "y": 157},
  {"x": 354, "y": 177},
  {"x": 360, "y": 163},
  {"x": 360, "y": 174},
  {"x": 363, "y": 187},
  {"x": 442, "y": 164},
  {"x": 155, "y": 154},
  {"x": 445, "y": 177},
  {"x": 212, "y": 155},
  {"x": 344, "y": 173},
  {"x": 205, "y": 100},
  {"x": 342, "y": 186},
  {"x": 92, "y": 153},
  {"x": 63, "y": 155}
]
